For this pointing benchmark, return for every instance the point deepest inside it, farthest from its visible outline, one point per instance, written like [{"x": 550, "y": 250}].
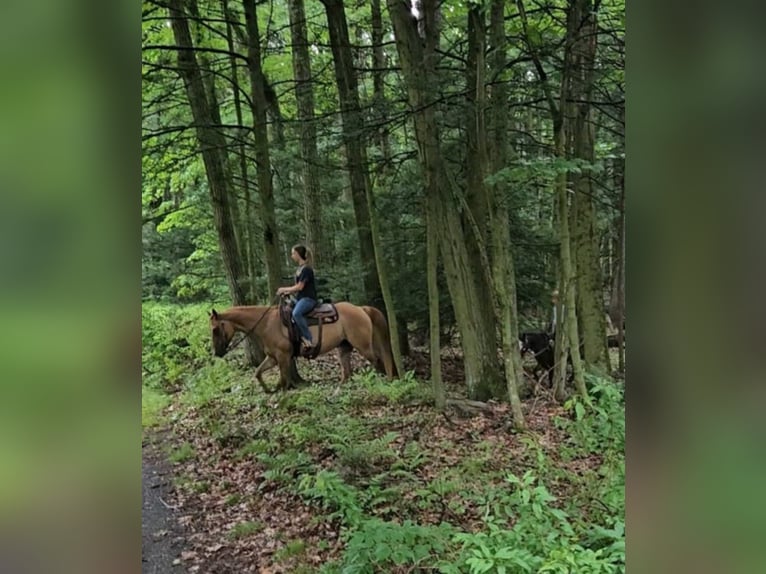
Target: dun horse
[{"x": 361, "y": 328}]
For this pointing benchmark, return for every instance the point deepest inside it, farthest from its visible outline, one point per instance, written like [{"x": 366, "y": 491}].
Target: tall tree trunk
[
  {"x": 376, "y": 277},
  {"x": 476, "y": 217},
  {"x": 432, "y": 263},
  {"x": 212, "y": 146},
  {"x": 247, "y": 224},
  {"x": 567, "y": 337},
  {"x": 262, "y": 159},
  {"x": 353, "y": 136},
  {"x": 208, "y": 77},
  {"x": 585, "y": 244},
  {"x": 304, "y": 94},
  {"x": 569, "y": 319},
  {"x": 618, "y": 315},
  {"x": 503, "y": 269},
  {"x": 378, "y": 78},
  {"x": 418, "y": 68},
  {"x": 381, "y": 134}
]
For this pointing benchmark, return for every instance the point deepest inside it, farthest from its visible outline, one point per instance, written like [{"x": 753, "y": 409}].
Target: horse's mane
[{"x": 242, "y": 313}]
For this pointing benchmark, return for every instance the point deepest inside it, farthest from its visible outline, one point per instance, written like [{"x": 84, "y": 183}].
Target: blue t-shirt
[{"x": 306, "y": 274}]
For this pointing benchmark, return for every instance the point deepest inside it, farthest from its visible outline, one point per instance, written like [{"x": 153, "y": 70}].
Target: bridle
[{"x": 230, "y": 346}]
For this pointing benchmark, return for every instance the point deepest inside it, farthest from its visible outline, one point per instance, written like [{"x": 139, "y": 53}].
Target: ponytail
[{"x": 305, "y": 254}]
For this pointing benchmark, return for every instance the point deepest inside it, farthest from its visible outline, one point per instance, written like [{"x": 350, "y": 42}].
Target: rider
[{"x": 305, "y": 290}]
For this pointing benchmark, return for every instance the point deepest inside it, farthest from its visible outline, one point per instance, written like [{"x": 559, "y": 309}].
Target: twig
[{"x": 168, "y": 505}]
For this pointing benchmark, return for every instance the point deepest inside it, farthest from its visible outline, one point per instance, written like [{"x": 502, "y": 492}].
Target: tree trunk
[
  {"x": 381, "y": 135},
  {"x": 356, "y": 154},
  {"x": 376, "y": 277},
  {"x": 442, "y": 204},
  {"x": 502, "y": 258},
  {"x": 568, "y": 327},
  {"x": 208, "y": 78},
  {"x": 262, "y": 159},
  {"x": 432, "y": 256},
  {"x": 247, "y": 226},
  {"x": 212, "y": 146},
  {"x": 619, "y": 315},
  {"x": 378, "y": 77},
  {"x": 567, "y": 337},
  {"x": 585, "y": 241},
  {"x": 476, "y": 217},
  {"x": 304, "y": 94}
]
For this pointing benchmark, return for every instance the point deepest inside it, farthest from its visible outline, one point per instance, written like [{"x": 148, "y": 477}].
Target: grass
[
  {"x": 289, "y": 550},
  {"x": 182, "y": 453},
  {"x": 152, "y": 404},
  {"x": 245, "y": 529}
]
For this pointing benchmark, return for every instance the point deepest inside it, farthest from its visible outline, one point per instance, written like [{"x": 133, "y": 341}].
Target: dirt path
[{"x": 161, "y": 539}]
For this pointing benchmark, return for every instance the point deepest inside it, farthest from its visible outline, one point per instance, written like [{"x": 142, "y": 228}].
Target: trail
[{"x": 161, "y": 541}]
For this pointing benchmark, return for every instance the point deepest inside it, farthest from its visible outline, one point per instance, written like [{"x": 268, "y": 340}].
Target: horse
[{"x": 361, "y": 328}]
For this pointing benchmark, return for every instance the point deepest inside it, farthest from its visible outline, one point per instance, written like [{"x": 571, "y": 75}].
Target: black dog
[{"x": 541, "y": 344}]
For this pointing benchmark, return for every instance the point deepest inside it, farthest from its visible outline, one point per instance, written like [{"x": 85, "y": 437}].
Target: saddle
[{"x": 322, "y": 314}]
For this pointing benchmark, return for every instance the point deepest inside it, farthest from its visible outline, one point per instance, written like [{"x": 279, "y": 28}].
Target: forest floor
[{"x": 235, "y": 480}]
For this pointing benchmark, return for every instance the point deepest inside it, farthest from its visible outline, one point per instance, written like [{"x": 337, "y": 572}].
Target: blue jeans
[{"x": 302, "y": 307}]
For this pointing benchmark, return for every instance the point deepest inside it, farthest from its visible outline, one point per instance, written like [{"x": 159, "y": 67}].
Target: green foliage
[
  {"x": 254, "y": 448},
  {"x": 152, "y": 403},
  {"x": 290, "y": 550},
  {"x": 526, "y": 532},
  {"x": 182, "y": 453},
  {"x": 173, "y": 340},
  {"x": 379, "y": 546},
  {"x": 285, "y": 466},
  {"x": 329, "y": 490},
  {"x": 599, "y": 427},
  {"x": 378, "y": 390},
  {"x": 244, "y": 529}
]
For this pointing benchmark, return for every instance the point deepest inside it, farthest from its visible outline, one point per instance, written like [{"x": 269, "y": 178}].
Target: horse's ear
[{"x": 214, "y": 314}]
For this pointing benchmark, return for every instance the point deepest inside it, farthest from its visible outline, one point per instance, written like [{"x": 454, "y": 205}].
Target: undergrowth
[{"x": 407, "y": 492}]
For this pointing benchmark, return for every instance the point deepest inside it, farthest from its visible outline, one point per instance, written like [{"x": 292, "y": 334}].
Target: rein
[{"x": 229, "y": 347}]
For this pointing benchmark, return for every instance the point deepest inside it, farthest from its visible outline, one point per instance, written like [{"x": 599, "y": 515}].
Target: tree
[
  {"x": 212, "y": 147},
  {"x": 476, "y": 215},
  {"x": 262, "y": 158},
  {"x": 503, "y": 272},
  {"x": 442, "y": 206},
  {"x": 355, "y": 144},
  {"x": 304, "y": 94},
  {"x": 590, "y": 299},
  {"x": 376, "y": 278}
]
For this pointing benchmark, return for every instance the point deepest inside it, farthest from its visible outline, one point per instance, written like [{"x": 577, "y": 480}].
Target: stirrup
[{"x": 307, "y": 352}]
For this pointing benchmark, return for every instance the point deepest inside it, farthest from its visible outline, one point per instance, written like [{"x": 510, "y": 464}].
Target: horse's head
[{"x": 222, "y": 332}]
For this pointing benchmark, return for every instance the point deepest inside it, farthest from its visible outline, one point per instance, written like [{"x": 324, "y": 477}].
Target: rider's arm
[{"x": 292, "y": 289}]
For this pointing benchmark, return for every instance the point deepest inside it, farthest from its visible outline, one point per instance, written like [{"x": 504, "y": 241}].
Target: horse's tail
[{"x": 381, "y": 342}]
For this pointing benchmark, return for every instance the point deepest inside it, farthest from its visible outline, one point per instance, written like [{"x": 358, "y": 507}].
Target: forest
[{"x": 457, "y": 165}]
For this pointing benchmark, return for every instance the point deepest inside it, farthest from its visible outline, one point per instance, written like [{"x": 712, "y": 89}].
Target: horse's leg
[
  {"x": 283, "y": 359},
  {"x": 268, "y": 363},
  {"x": 344, "y": 355},
  {"x": 365, "y": 347}
]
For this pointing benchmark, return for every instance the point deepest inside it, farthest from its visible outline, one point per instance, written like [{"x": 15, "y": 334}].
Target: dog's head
[{"x": 535, "y": 341}]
